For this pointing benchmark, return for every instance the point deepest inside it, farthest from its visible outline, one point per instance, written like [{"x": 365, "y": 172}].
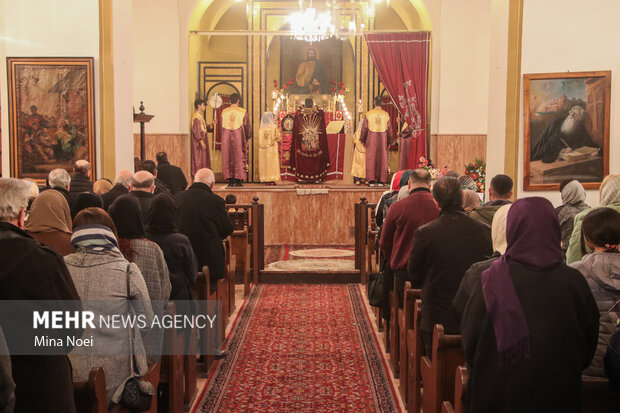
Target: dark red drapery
[{"x": 401, "y": 60}]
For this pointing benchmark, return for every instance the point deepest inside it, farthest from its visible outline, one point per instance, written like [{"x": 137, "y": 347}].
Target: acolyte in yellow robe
[
  {"x": 268, "y": 154},
  {"x": 358, "y": 168}
]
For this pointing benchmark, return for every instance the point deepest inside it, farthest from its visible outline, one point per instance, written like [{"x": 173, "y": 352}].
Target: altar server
[
  {"x": 236, "y": 131},
  {"x": 358, "y": 168},
  {"x": 376, "y": 136},
  {"x": 268, "y": 154},
  {"x": 201, "y": 156}
]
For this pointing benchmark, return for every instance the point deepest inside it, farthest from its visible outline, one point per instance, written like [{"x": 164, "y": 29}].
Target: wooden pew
[
  {"x": 597, "y": 396},
  {"x": 438, "y": 374},
  {"x": 405, "y": 322},
  {"x": 241, "y": 248},
  {"x": 460, "y": 384},
  {"x": 394, "y": 343},
  {"x": 415, "y": 350},
  {"x": 172, "y": 372},
  {"x": 252, "y": 217},
  {"x": 226, "y": 304},
  {"x": 90, "y": 396},
  {"x": 203, "y": 292},
  {"x": 190, "y": 370}
]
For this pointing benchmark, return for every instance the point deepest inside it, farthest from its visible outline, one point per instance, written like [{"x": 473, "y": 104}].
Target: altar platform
[{"x": 318, "y": 214}]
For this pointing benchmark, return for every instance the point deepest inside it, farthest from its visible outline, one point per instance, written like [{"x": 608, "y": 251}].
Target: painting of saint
[
  {"x": 566, "y": 129},
  {"x": 311, "y": 65},
  {"x": 51, "y": 113}
]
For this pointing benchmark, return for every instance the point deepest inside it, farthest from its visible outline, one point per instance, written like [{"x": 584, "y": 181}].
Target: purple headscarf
[{"x": 533, "y": 238}]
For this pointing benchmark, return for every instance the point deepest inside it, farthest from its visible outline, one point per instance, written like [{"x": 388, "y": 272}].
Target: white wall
[
  {"x": 568, "y": 35},
  {"x": 33, "y": 28},
  {"x": 156, "y": 57},
  {"x": 464, "y": 66}
]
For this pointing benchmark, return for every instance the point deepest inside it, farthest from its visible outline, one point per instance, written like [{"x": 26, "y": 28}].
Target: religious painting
[
  {"x": 311, "y": 66},
  {"x": 566, "y": 129},
  {"x": 51, "y": 114}
]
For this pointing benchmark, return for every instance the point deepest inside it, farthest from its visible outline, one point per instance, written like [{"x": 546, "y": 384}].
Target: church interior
[{"x": 283, "y": 101}]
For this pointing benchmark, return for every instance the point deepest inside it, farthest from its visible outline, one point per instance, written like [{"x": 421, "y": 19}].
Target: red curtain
[{"x": 401, "y": 60}]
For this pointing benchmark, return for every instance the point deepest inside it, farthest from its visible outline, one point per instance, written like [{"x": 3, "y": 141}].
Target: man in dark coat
[
  {"x": 500, "y": 193},
  {"x": 403, "y": 219},
  {"x": 202, "y": 216},
  {"x": 31, "y": 271},
  {"x": 81, "y": 179},
  {"x": 442, "y": 251},
  {"x": 160, "y": 186},
  {"x": 563, "y": 135},
  {"x": 171, "y": 175},
  {"x": 142, "y": 187},
  {"x": 122, "y": 183}
]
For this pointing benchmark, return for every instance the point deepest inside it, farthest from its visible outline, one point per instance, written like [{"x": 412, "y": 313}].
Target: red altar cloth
[{"x": 335, "y": 145}]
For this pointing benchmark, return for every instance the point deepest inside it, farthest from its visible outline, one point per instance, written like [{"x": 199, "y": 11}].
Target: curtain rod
[{"x": 285, "y": 32}]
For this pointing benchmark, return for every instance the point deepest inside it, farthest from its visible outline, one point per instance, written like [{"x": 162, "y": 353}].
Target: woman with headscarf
[
  {"x": 403, "y": 188},
  {"x": 531, "y": 327},
  {"x": 86, "y": 200},
  {"x": 178, "y": 252},
  {"x": 125, "y": 211},
  {"x": 601, "y": 232},
  {"x": 358, "y": 167},
  {"x": 610, "y": 197},
  {"x": 50, "y": 223},
  {"x": 471, "y": 279},
  {"x": 573, "y": 202},
  {"x": 100, "y": 274},
  {"x": 471, "y": 200},
  {"x": 268, "y": 154}
]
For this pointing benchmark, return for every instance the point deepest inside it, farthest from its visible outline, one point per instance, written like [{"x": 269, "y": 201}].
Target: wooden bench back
[
  {"x": 90, "y": 396},
  {"x": 415, "y": 350},
  {"x": 438, "y": 374},
  {"x": 405, "y": 322}
]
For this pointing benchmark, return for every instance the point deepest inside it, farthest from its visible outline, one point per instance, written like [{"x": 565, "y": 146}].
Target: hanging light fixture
[{"x": 310, "y": 26}]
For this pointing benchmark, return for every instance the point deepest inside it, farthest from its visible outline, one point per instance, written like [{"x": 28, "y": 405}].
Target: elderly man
[
  {"x": 60, "y": 180},
  {"x": 203, "y": 218},
  {"x": 442, "y": 251},
  {"x": 81, "y": 179},
  {"x": 121, "y": 187},
  {"x": 142, "y": 187},
  {"x": 403, "y": 219},
  {"x": 31, "y": 271},
  {"x": 160, "y": 187},
  {"x": 500, "y": 193},
  {"x": 563, "y": 135}
]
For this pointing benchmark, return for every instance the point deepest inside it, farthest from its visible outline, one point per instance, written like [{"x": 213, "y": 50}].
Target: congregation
[{"x": 532, "y": 290}]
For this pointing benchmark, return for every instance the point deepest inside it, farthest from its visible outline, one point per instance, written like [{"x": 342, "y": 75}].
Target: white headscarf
[
  {"x": 573, "y": 193},
  {"x": 268, "y": 120},
  {"x": 498, "y": 229}
]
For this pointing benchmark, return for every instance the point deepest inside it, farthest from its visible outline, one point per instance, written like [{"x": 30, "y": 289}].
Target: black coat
[
  {"x": 110, "y": 196},
  {"x": 32, "y": 271},
  {"x": 181, "y": 262},
  {"x": 79, "y": 183},
  {"x": 471, "y": 282},
  {"x": 172, "y": 176},
  {"x": 160, "y": 187},
  {"x": 145, "y": 199},
  {"x": 442, "y": 251},
  {"x": 562, "y": 318},
  {"x": 202, "y": 216}
]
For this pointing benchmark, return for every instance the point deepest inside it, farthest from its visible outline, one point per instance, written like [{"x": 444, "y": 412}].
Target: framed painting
[
  {"x": 311, "y": 66},
  {"x": 51, "y": 114},
  {"x": 566, "y": 129}
]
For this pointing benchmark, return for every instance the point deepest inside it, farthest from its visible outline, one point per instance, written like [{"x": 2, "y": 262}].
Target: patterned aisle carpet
[
  {"x": 286, "y": 252},
  {"x": 301, "y": 348}
]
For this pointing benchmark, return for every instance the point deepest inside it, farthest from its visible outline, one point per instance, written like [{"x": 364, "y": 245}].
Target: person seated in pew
[
  {"x": 600, "y": 230},
  {"x": 531, "y": 327},
  {"x": 441, "y": 253},
  {"x": 147, "y": 255},
  {"x": 100, "y": 272},
  {"x": 471, "y": 279}
]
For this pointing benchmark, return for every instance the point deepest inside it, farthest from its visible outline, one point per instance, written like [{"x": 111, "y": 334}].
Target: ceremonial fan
[{"x": 215, "y": 101}]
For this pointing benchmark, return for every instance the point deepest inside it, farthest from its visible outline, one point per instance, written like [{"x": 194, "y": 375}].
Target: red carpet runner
[{"x": 301, "y": 348}]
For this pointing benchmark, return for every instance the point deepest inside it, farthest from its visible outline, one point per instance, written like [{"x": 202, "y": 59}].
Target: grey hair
[
  {"x": 59, "y": 178},
  {"x": 124, "y": 179},
  {"x": 13, "y": 198}
]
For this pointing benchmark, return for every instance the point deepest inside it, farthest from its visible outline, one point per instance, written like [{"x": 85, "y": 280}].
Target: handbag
[
  {"x": 376, "y": 286},
  {"x": 137, "y": 393}
]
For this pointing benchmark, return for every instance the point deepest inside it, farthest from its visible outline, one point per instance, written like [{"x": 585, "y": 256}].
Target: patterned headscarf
[
  {"x": 573, "y": 193},
  {"x": 95, "y": 237},
  {"x": 610, "y": 190}
]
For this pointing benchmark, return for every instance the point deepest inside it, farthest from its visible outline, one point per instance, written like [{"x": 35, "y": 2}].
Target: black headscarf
[
  {"x": 86, "y": 200},
  {"x": 125, "y": 211},
  {"x": 161, "y": 219}
]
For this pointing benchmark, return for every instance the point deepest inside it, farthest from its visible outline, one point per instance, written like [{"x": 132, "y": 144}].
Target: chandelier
[{"x": 310, "y": 26}]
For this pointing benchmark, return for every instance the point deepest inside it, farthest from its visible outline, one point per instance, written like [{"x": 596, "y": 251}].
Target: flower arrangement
[
  {"x": 435, "y": 173},
  {"x": 477, "y": 172},
  {"x": 338, "y": 88},
  {"x": 283, "y": 89}
]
